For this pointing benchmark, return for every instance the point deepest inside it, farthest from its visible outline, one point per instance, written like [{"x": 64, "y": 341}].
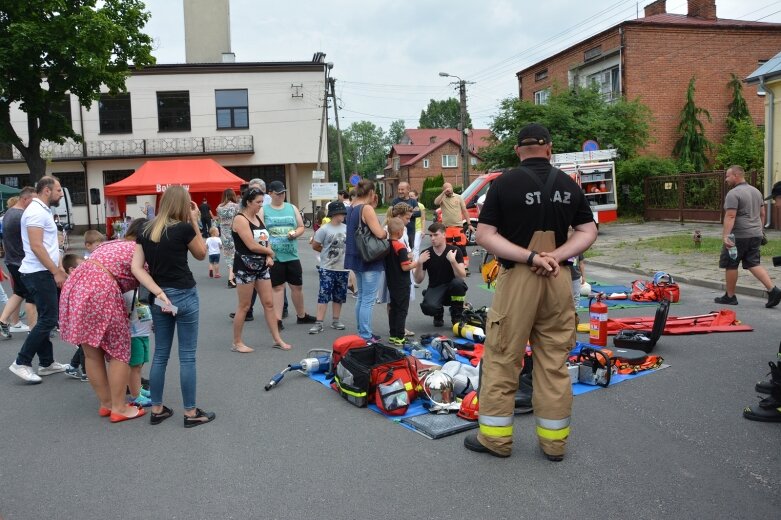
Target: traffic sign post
[{"x": 355, "y": 179}]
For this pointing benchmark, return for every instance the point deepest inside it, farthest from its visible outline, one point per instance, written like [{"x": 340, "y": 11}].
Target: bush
[
  {"x": 632, "y": 173},
  {"x": 432, "y": 186}
]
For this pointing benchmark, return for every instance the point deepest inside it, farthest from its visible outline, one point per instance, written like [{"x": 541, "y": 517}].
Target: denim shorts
[{"x": 214, "y": 259}]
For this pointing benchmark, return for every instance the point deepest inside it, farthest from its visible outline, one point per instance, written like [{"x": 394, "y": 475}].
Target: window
[
  {"x": 232, "y": 108},
  {"x": 541, "y": 75},
  {"x": 114, "y": 114},
  {"x": 449, "y": 161},
  {"x": 64, "y": 108},
  {"x": 76, "y": 182},
  {"x": 592, "y": 53},
  {"x": 473, "y": 161},
  {"x": 541, "y": 96},
  {"x": 16, "y": 181},
  {"x": 112, "y": 176},
  {"x": 425, "y": 163},
  {"x": 607, "y": 82},
  {"x": 173, "y": 111}
]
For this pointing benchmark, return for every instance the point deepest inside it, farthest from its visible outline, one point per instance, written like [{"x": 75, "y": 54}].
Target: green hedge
[{"x": 632, "y": 173}]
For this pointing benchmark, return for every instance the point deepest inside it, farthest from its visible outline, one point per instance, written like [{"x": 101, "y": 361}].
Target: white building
[{"x": 256, "y": 119}]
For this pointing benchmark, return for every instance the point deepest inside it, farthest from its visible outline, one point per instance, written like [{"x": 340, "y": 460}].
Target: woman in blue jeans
[
  {"x": 163, "y": 246},
  {"x": 367, "y": 274}
]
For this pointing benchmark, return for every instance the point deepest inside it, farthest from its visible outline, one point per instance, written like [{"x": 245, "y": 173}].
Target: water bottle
[{"x": 733, "y": 251}]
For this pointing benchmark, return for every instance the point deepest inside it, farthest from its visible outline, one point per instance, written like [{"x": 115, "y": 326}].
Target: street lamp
[{"x": 462, "y": 128}]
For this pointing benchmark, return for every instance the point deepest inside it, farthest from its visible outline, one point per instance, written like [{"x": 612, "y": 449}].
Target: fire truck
[{"x": 595, "y": 172}]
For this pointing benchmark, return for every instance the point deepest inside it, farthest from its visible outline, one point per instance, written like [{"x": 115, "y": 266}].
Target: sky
[{"x": 387, "y": 54}]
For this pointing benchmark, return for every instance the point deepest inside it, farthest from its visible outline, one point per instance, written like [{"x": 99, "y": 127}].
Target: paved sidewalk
[{"x": 615, "y": 249}]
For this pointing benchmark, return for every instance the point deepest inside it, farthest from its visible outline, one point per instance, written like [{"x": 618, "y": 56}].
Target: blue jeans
[
  {"x": 367, "y": 296},
  {"x": 186, "y": 324},
  {"x": 42, "y": 289}
]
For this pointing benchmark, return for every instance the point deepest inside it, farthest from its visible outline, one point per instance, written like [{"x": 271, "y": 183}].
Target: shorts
[
  {"x": 333, "y": 286},
  {"x": 139, "y": 351},
  {"x": 250, "y": 276},
  {"x": 290, "y": 272},
  {"x": 214, "y": 259},
  {"x": 16, "y": 282},
  {"x": 748, "y": 252}
]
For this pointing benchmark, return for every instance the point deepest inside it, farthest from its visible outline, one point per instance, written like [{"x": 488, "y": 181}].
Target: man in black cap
[
  {"x": 744, "y": 215},
  {"x": 525, "y": 220},
  {"x": 285, "y": 225}
]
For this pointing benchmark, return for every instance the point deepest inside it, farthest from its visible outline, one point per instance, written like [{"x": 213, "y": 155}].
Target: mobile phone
[{"x": 167, "y": 307}]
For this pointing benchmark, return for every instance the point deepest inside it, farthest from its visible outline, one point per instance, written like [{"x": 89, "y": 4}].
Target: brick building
[
  {"x": 428, "y": 152},
  {"x": 654, "y": 57}
]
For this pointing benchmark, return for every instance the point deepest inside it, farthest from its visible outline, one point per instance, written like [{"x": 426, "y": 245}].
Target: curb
[{"x": 740, "y": 289}]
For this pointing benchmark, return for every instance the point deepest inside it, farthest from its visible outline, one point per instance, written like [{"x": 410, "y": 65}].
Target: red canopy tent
[{"x": 203, "y": 178}]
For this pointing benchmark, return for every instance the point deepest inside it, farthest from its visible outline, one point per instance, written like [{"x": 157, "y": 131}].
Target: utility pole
[
  {"x": 464, "y": 140},
  {"x": 338, "y": 132},
  {"x": 324, "y": 117}
]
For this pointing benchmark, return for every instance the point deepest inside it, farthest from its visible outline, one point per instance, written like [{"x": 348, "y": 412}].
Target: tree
[
  {"x": 368, "y": 142},
  {"x": 744, "y": 145},
  {"x": 738, "y": 109},
  {"x": 50, "y": 48},
  {"x": 443, "y": 114},
  {"x": 395, "y": 133},
  {"x": 572, "y": 116},
  {"x": 692, "y": 147}
]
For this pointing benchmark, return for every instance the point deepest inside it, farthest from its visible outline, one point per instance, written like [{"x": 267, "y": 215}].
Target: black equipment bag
[
  {"x": 353, "y": 379},
  {"x": 644, "y": 340}
]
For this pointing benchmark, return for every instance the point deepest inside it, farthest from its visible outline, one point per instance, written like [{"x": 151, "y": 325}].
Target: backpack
[{"x": 362, "y": 369}]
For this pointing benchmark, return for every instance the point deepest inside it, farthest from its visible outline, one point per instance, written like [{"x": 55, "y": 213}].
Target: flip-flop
[
  {"x": 116, "y": 417},
  {"x": 104, "y": 412},
  {"x": 237, "y": 348},
  {"x": 280, "y": 347}
]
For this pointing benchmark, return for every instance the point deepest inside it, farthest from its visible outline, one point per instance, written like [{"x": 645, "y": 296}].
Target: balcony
[{"x": 129, "y": 148}]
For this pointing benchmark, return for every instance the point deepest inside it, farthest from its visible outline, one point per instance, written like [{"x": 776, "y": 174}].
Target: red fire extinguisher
[{"x": 597, "y": 330}]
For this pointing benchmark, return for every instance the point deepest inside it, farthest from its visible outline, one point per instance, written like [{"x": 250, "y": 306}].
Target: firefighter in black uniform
[{"x": 524, "y": 222}]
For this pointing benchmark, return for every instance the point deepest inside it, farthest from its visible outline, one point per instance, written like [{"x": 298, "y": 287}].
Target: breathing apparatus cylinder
[{"x": 470, "y": 332}]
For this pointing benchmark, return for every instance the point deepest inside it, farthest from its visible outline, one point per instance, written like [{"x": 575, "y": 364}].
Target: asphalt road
[{"x": 669, "y": 445}]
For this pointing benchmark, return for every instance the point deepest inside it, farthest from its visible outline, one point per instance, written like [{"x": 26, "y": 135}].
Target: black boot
[
  {"x": 523, "y": 397},
  {"x": 765, "y": 387},
  {"x": 769, "y": 408}
]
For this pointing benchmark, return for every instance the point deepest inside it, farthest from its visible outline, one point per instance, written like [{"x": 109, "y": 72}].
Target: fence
[{"x": 690, "y": 197}]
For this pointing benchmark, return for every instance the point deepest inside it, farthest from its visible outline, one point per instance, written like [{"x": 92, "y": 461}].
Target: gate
[{"x": 690, "y": 197}]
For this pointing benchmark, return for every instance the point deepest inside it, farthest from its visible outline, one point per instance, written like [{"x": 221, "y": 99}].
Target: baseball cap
[
  {"x": 775, "y": 192},
  {"x": 533, "y": 134},
  {"x": 276, "y": 187},
  {"x": 336, "y": 208}
]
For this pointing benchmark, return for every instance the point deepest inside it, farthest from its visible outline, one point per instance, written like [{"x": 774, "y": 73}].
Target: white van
[{"x": 63, "y": 211}]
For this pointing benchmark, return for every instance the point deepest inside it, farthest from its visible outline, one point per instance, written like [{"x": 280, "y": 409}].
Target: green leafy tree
[
  {"x": 572, "y": 116},
  {"x": 50, "y": 48},
  {"x": 692, "y": 147},
  {"x": 368, "y": 141},
  {"x": 738, "y": 109},
  {"x": 744, "y": 145},
  {"x": 395, "y": 133},
  {"x": 443, "y": 114}
]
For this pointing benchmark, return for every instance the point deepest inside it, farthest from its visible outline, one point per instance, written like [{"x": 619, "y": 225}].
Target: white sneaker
[
  {"x": 52, "y": 369},
  {"x": 19, "y": 327},
  {"x": 25, "y": 372}
]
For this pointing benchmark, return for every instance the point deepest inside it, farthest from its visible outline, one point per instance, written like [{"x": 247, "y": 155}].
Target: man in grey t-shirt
[
  {"x": 744, "y": 213},
  {"x": 14, "y": 254}
]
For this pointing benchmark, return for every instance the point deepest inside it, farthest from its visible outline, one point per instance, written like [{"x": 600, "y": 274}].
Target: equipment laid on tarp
[
  {"x": 723, "y": 320},
  {"x": 645, "y": 340}
]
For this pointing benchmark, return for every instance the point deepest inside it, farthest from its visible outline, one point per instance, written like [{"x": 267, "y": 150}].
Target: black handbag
[{"x": 369, "y": 246}]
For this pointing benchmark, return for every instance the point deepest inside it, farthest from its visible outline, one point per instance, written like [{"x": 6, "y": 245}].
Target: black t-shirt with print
[
  {"x": 514, "y": 205},
  {"x": 398, "y": 256},
  {"x": 438, "y": 266},
  {"x": 167, "y": 259}
]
